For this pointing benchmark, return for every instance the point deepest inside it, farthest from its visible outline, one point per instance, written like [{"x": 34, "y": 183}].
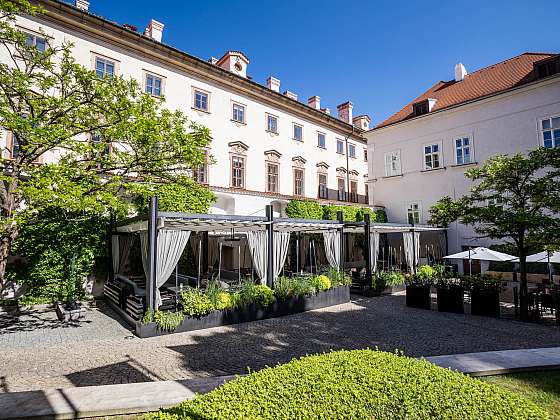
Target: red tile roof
[{"x": 490, "y": 80}]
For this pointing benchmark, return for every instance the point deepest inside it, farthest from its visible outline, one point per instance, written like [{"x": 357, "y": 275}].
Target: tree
[
  {"x": 77, "y": 141},
  {"x": 515, "y": 199}
]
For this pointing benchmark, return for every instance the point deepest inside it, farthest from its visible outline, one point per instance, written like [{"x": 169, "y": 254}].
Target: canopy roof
[
  {"x": 481, "y": 253},
  {"x": 542, "y": 257},
  {"x": 217, "y": 224}
]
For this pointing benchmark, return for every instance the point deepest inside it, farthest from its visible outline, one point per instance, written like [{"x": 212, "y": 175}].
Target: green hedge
[
  {"x": 307, "y": 209},
  {"x": 359, "y": 384}
]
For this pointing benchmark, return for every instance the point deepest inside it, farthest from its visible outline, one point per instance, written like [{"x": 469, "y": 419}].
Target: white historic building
[
  {"x": 421, "y": 153},
  {"x": 267, "y": 146}
]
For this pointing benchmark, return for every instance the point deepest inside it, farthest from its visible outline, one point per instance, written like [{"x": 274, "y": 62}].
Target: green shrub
[
  {"x": 195, "y": 303},
  {"x": 251, "y": 293},
  {"x": 286, "y": 287},
  {"x": 358, "y": 384},
  {"x": 189, "y": 197},
  {"x": 223, "y": 301},
  {"x": 321, "y": 282},
  {"x": 380, "y": 216},
  {"x": 168, "y": 321},
  {"x": 304, "y": 209},
  {"x": 338, "y": 278},
  {"x": 384, "y": 279}
]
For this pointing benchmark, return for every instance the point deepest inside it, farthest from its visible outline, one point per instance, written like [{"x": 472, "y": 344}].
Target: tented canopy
[
  {"x": 481, "y": 253},
  {"x": 542, "y": 257}
]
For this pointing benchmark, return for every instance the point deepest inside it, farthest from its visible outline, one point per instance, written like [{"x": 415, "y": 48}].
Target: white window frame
[
  {"x": 463, "y": 147},
  {"x": 243, "y": 171},
  {"x": 389, "y": 159},
  {"x": 319, "y": 134},
  {"x": 343, "y": 152},
  {"x": 415, "y": 212},
  {"x": 365, "y": 154},
  {"x": 555, "y": 141},
  {"x": 352, "y": 150},
  {"x": 154, "y": 76},
  {"x": 431, "y": 154},
  {"x": 294, "y": 125},
  {"x": 302, "y": 192},
  {"x": 106, "y": 60},
  {"x": 277, "y": 175},
  {"x": 196, "y": 90},
  {"x": 202, "y": 169},
  {"x": 34, "y": 37},
  {"x": 325, "y": 184},
  {"x": 243, "y": 109},
  {"x": 267, "y": 125}
]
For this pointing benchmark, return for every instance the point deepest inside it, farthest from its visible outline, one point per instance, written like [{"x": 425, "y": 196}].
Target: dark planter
[
  {"x": 250, "y": 313},
  {"x": 418, "y": 297},
  {"x": 370, "y": 292},
  {"x": 70, "y": 312},
  {"x": 450, "y": 299},
  {"x": 485, "y": 302}
]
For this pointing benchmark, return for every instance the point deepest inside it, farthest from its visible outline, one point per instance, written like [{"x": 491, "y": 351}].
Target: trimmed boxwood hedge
[{"x": 356, "y": 384}]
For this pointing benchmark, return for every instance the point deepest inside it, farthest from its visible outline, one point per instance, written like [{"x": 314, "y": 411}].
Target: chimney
[
  {"x": 326, "y": 111},
  {"x": 273, "y": 84},
  {"x": 290, "y": 95},
  {"x": 213, "y": 60},
  {"x": 345, "y": 112},
  {"x": 154, "y": 30},
  {"x": 361, "y": 122},
  {"x": 235, "y": 62},
  {"x": 82, "y": 5},
  {"x": 314, "y": 102},
  {"x": 460, "y": 72}
]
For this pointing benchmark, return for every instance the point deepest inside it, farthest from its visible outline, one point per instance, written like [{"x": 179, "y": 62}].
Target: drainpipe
[
  {"x": 152, "y": 247},
  {"x": 340, "y": 218},
  {"x": 270, "y": 255},
  {"x": 348, "y": 164}
]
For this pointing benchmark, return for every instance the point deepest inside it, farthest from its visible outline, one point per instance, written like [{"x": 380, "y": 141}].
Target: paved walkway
[{"x": 38, "y": 353}]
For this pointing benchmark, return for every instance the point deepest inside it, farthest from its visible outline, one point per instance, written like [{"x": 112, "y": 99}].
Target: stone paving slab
[
  {"x": 106, "y": 400},
  {"x": 499, "y": 362}
]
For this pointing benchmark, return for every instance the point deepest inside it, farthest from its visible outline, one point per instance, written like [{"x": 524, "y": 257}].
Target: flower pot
[
  {"x": 450, "y": 299},
  {"x": 485, "y": 302},
  {"x": 418, "y": 296}
]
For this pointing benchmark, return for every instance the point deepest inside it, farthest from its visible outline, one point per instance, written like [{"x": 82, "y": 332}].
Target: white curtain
[
  {"x": 115, "y": 253},
  {"x": 281, "y": 241},
  {"x": 332, "y": 247},
  {"x": 258, "y": 245},
  {"x": 144, "y": 247},
  {"x": 411, "y": 255},
  {"x": 374, "y": 250},
  {"x": 170, "y": 247}
]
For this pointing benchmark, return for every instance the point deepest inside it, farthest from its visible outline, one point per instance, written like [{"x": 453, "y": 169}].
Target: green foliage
[
  {"x": 220, "y": 298},
  {"x": 383, "y": 279},
  {"x": 358, "y": 384},
  {"x": 251, "y": 293},
  {"x": 168, "y": 321},
  {"x": 380, "y": 216},
  {"x": 297, "y": 286},
  {"x": 321, "y": 283},
  {"x": 482, "y": 282},
  {"x": 425, "y": 276},
  {"x": 304, "y": 209},
  {"x": 338, "y": 277},
  {"x": 195, "y": 303},
  {"x": 60, "y": 250},
  {"x": 187, "y": 197}
]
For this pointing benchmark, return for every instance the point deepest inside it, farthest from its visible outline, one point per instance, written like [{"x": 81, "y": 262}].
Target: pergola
[{"x": 164, "y": 235}]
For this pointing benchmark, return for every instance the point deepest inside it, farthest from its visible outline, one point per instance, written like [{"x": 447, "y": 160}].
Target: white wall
[
  {"x": 505, "y": 124},
  {"x": 178, "y": 91}
]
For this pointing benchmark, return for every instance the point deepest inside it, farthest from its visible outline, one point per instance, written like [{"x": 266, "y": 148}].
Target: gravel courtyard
[{"x": 37, "y": 352}]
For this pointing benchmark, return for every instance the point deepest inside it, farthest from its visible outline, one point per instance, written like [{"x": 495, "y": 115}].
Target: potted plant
[
  {"x": 418, "y": 287},
  {"x": 386, "y": 282},
  {"x": 450, "y": 292},
  {"x": 485, "y": 295}
]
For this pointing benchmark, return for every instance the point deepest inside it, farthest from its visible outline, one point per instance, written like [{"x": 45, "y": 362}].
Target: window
[
  {"x": 431, "y": 157},
  {"x": 238, "y": 172},
  {"x": 366, "y": 192},
  {"x": 200, "y": 100},
  {"x": 351, "y": 150},
  {"x": 421, "y": 108},
  {"x": 414, "y": 213},
  {"x": 272, "y": 123},
  {"x": 298, "y": 132},
  {"x": 153, "y": 85},
  {"x": 463, "y": 153},
  {"x": 298, "y": 182},
  {"x": 323, "y": 189},
  {"x": 15, "y": 146},
  {"x": 497, "y": 202},
  {"x": 393, "y": 163},
  {"x": 104, "y": 67},
  {"x": 200, "y": 173},
  {"x": 354, "y": 191},
  {"x": 548, "y": 67},
  {"x": 38, "y": 42},
  {"x": 238, "y": 113},
  {"x": 321, "y": 141},
  {"x": 339, "y": 147},
  {"x": 341, "y": 187},
  {"x": 365, "y": 154},
  {"x": 550, "y": 128},
  {"x": 272, "y": 177}
]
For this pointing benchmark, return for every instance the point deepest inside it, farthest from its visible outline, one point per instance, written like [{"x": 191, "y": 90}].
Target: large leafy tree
[
  {"x": 515, "y": 199},
  {"x": 78, "y": 142}
]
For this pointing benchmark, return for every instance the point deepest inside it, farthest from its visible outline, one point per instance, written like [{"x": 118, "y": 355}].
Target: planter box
[
  {"x": 70, "y": 312},
  {"x": 389, "y": 290},
  {"x": 450, "y": 299},
  {"x": 418, "y": 297},
  {"x": 485, "y": 303},
  {"x": 250, "y": 313}
]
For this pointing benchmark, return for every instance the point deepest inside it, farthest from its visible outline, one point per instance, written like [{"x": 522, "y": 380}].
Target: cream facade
[
  {"x": 404, "y": 175},
  {"x": 267, "y": 147}
]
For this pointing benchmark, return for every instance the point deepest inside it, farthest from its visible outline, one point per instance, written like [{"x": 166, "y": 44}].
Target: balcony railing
[{"x": 332, "y": 194}]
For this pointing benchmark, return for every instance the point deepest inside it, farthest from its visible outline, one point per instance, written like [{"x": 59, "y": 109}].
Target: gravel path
[{"x": 37, "y": 352}]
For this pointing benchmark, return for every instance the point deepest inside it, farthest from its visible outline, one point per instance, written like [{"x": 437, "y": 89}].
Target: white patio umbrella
[
  {"x": 544, "y": 257},
  {"x": 480, "y": 253}
]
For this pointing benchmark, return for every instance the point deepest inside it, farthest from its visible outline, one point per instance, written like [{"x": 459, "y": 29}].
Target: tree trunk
[
  {"x": 10, "y": 230},
  {"x": 523, "y": 292},
  {"x": 6, "y": 240}
]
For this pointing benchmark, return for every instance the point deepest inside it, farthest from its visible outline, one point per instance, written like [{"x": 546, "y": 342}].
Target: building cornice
[{"x": 90, "y": 25}]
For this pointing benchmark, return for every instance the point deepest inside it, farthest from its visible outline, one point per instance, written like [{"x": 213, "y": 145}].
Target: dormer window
[
  {"x": 423, "y": 107},
  {"x": 548, "y": 67}
]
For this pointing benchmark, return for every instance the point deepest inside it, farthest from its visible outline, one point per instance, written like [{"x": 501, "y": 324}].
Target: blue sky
[{"x": 378, "y": 54}]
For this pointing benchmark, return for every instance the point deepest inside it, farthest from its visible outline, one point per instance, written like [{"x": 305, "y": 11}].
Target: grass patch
[
  {"x": 358, "y": 384},
  {"x": 543, "y": 388}
]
